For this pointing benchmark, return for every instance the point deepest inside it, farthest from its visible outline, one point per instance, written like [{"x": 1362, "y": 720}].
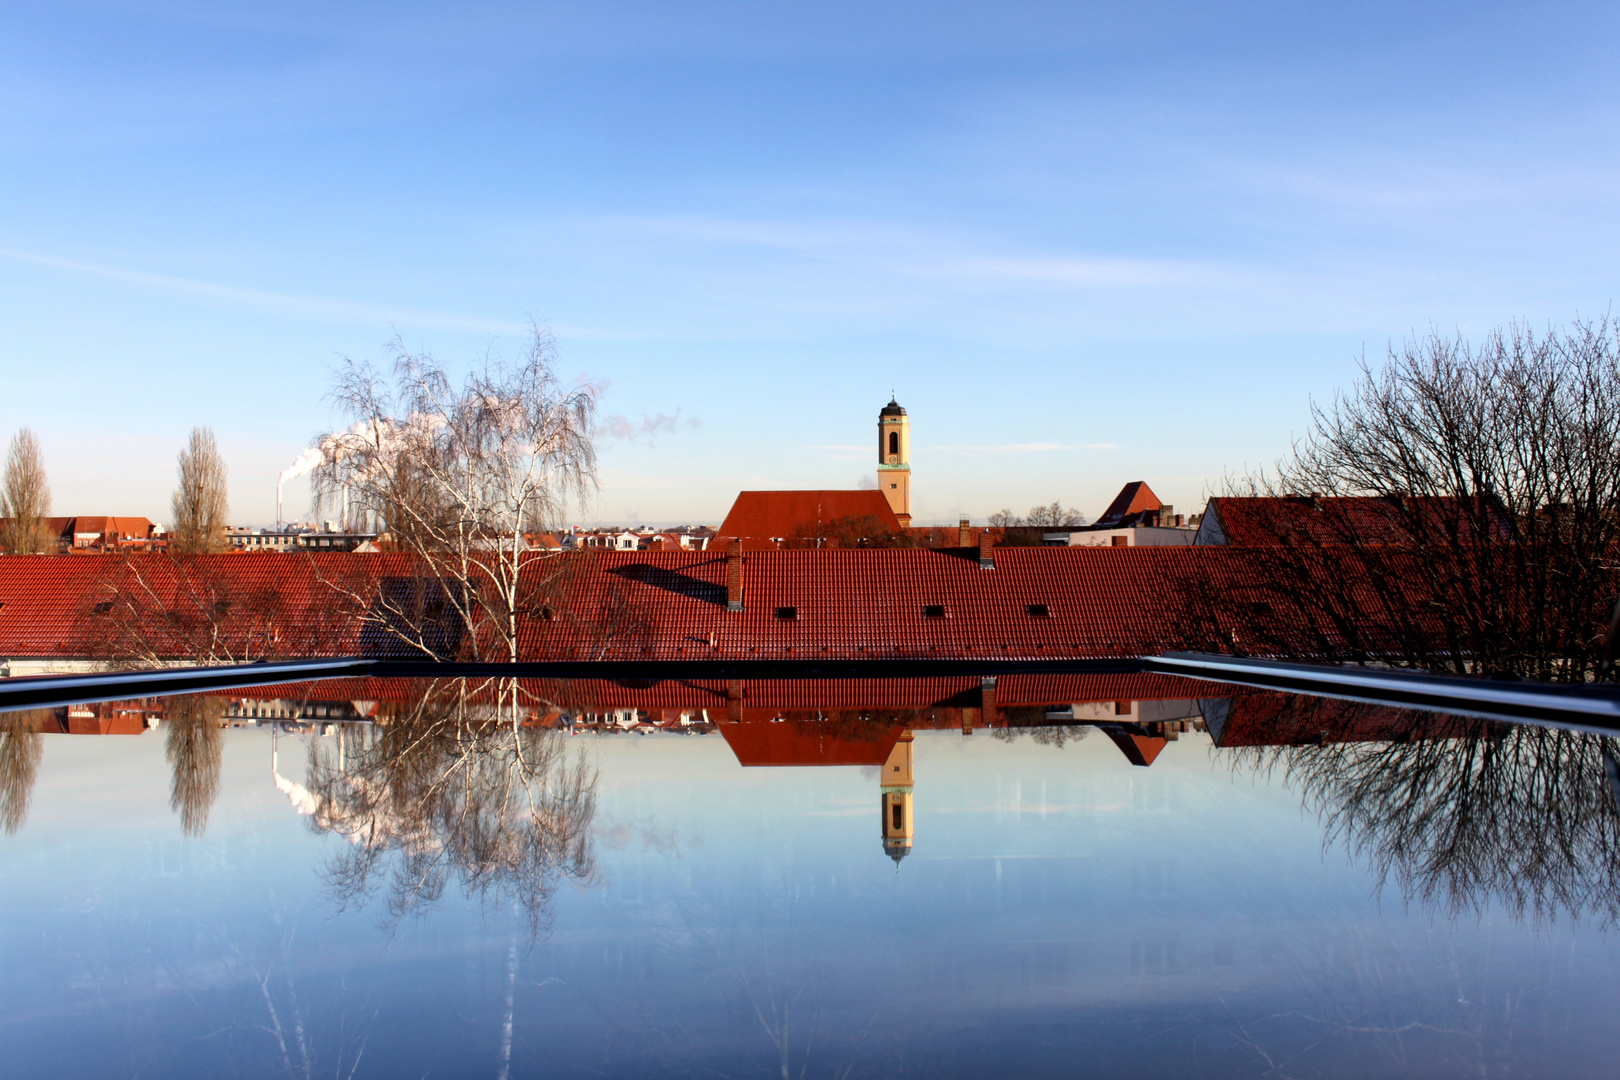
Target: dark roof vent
[
  {"x": 1038, "y": 611},
  {"x": 933, "y": 611},
  {"x": 787, "y": 613}
]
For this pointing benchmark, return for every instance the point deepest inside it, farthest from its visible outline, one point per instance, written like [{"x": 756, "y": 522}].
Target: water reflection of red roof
[{"x": 807, "y": 742}]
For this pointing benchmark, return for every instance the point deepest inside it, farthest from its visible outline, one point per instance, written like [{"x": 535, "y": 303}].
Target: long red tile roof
[
  {"x": 775, "y": 515},
  {"x": 856, "y": 604}
]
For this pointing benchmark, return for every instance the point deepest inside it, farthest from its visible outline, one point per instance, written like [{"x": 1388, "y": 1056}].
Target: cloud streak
[
  {"x": 1027, "y": 448},
  {"x": 617, "y": 428},
  {"x": 342, "y": 311}
]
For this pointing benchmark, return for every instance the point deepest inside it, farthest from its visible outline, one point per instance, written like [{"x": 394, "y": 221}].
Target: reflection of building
[{"x": 895, "y": 800}]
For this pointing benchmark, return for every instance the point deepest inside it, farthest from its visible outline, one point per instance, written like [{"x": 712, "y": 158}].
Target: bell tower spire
[{"x": 894, "y": 459}]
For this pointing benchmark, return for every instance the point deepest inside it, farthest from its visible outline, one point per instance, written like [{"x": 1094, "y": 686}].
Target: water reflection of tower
[{"x": 896, "y": 800}]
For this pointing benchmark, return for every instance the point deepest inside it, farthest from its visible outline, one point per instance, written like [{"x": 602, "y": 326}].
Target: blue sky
[{"x": 1084, "y": 244}]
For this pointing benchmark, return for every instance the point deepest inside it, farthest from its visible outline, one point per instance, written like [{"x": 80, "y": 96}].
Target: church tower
[
  {"x": 894, "y": 460},
  {"x": 896, "y": 800}
]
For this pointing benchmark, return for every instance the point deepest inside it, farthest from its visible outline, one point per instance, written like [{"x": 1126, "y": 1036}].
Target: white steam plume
[{"x": 305, "y": 463}]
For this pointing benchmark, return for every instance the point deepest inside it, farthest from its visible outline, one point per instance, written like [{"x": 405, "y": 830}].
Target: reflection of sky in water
[{"x": 1061, "y": 912}]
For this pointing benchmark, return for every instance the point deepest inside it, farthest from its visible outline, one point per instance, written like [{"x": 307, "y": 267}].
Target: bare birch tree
[
  {"x": 462, "y": 477},
  {"x": 457, "y": 787},
  {"x": 199, "y": 503},
  {"x": 25, "y": 499}
]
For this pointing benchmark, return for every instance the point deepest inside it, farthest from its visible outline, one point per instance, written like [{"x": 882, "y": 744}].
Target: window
[
  {"x": 787, "y": 613},
  {"x": 894, "y": 443},
  {"x": 897, "y": 815},
  {"x": 933, "y": 611},
  {"x": 1037, "y": 611}
]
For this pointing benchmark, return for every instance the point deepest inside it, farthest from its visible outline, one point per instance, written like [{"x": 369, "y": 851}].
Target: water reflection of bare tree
[
  {"x": 1460, "y": 813},
  {"x": 20, "y": 748},
  {"x": 195, "y": 746},
  {"x": 456, "y": 788}
]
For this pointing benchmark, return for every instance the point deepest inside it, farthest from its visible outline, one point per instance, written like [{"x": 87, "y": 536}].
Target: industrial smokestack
[{"x": 305, "y": 463}]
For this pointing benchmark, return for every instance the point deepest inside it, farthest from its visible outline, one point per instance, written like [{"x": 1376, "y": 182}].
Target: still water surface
[{"x": 831, "y": 889}]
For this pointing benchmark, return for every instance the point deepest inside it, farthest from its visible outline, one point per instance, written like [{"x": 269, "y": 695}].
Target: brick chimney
[
  {"x": 734, "y": 588},
  {"x": 964, "y": 535},
  {"x": 987, "y": 555}
]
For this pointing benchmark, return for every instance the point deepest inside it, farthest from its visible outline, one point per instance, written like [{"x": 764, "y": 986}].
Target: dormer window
[{"x": 933, "y": 611}]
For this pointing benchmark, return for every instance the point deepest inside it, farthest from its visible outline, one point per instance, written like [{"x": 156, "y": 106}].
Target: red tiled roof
[
  {"x": 775, "y": 515},
  {"x": 1310, "y": 519},
  {"x": 849, "y": 604},
  {"x": 1134, "y": 498},
  {"x": 868, "y": 604},
  {"x": 261, "y": 604}
]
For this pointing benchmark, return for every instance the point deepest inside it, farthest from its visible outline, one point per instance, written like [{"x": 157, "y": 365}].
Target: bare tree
[
  {"x": 199, "y": 503},
  {"x": 456, "y": 787},
  {"x": 195, "y": 749},
  {"x": 463, "y": 477},
  {"x": 1484, "y": 521},
  {"x": 21, "y": 747},
  {"x": 1026, "y": 531},
  {"x": 25, "y": 499},
  {"x": 1458, "y": 813}
]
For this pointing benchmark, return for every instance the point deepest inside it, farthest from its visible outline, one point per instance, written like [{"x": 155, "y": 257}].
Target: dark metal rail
[
  {"x": 1590, "y": 708},
  {"x": 46, "y": 691}
]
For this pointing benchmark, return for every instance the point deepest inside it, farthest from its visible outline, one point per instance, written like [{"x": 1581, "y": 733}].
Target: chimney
[
  {"x": 734, "y": 589},
  {"x": 987, "y": 701},
  {"x": 964, "y": 535},
  {"x": 987, "y": 555}
]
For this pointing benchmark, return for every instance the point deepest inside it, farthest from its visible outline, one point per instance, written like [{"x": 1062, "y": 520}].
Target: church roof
[
  {"x": 892, "y": 409},
  {"x": 773, "y": 515}
]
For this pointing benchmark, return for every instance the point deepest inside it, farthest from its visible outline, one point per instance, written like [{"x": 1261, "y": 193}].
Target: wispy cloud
[
  {"x": 343, "y": 311},
  {"x": 648, "y": 427},
  {"x": 1026, "y": 448},
  {"x": 1085, "y": 272}
]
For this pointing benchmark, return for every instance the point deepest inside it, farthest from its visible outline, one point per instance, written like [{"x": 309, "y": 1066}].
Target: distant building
[
  {"x": 766, "y": 519},
  {"x": 104, "y": 533},
  {"x": 1136, "y": 518},
  {"x": 241, "y": 538},
  {"x": 894, "y": 460},
  {"x": 1317, "y": 519}
]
